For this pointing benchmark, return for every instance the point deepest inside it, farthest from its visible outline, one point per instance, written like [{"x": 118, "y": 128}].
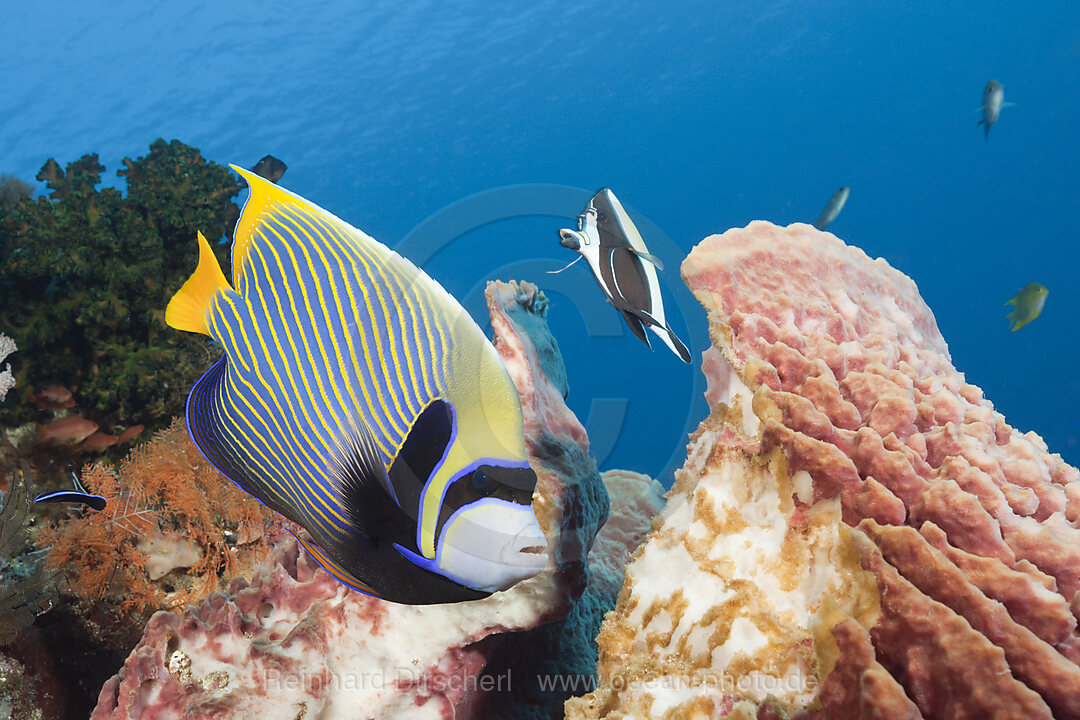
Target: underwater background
[{"x": 466, "y": 135}]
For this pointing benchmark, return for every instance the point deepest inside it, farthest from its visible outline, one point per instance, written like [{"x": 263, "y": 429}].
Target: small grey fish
[
  {"x": 993, "y": 101},
  {"x": 836, "y": 204},
  {"x": 270, "y": 168}
]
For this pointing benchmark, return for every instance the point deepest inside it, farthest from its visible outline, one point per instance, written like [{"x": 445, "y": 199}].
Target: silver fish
[
  {"x": 836, "y": 204},
  {"x": 992, "y": 102}
]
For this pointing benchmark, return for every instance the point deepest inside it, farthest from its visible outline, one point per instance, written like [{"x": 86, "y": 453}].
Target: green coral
[
  {"x": 12, "y": 190},
  {"x": 85, "y": 275}
]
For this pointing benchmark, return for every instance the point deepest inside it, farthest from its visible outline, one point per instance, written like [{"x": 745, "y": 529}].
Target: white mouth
[
  {"x": 492, "y": 544},
  {"x": 529, "y": 549},
  {"x": 570, "y": 239}
]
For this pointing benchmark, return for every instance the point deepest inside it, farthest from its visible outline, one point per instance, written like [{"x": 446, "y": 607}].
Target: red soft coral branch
[{"x": 163, "y": 487}]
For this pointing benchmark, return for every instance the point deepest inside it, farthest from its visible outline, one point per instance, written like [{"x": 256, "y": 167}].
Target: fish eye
[
  {"x": 601, "y": 217},
  {"x": 480, "y": 482}
]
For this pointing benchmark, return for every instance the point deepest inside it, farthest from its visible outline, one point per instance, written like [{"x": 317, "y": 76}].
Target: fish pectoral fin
[
  {"x": 361, "y": 475},
  {"x": 648, "y": 257},
  {"x": 189, "y": 308}
]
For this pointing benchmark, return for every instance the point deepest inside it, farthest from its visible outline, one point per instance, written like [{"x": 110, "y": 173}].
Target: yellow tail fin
[{"x": 188, "y": 309}]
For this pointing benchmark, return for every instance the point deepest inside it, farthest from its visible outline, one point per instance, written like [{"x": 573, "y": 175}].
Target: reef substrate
[{"x": 856, "y": 532}]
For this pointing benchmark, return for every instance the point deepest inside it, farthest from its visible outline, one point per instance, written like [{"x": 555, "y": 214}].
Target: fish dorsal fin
[
  {"x": 267, "y": 201},
  {"x": 565, "y": 267},
  {"x": 270, "y": 204},
  {"x": 648, "y": 257},
  {"x": 264, "y": 197},
  {"x": 79, "y": 487},
  {"x": 188, "y": 309}
]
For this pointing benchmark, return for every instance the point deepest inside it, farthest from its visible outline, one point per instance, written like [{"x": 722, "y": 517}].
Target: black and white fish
[{"x": 623, "y": 267}]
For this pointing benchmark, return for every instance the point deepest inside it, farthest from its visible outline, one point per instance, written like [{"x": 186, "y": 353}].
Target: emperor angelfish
[
  {"x": 357, "y": 398},
  {"x": 623, "y": 267}
]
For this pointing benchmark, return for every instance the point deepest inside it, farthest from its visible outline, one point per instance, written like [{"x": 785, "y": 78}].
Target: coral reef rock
[
  {"x": 7, "y": 380},
  {"x": 856, "y": 533},
  {"x": 173, "y": 530},
  {"x": 295, "y": 643},
  {"x": 555, "y": 661}
]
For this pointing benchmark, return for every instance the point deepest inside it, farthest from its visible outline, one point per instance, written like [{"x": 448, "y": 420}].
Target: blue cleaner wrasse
[
  {"x": 357, "y": 398},
  {"x": 623, "y": 267},
  {"x": 78, "y": 495}
]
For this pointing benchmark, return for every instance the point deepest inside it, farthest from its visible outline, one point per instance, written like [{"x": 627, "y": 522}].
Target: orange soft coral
[{"x": 168, "y": 509}]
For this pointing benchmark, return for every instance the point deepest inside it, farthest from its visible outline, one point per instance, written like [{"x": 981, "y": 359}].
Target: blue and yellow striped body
[{"x": 326, "y": 331}]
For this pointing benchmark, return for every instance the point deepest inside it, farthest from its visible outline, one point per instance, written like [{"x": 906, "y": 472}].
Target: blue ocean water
[{"x": 471, "y": 133}]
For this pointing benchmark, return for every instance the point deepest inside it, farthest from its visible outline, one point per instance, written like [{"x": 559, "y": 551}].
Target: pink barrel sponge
[{"x": 973, "y": 525}]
